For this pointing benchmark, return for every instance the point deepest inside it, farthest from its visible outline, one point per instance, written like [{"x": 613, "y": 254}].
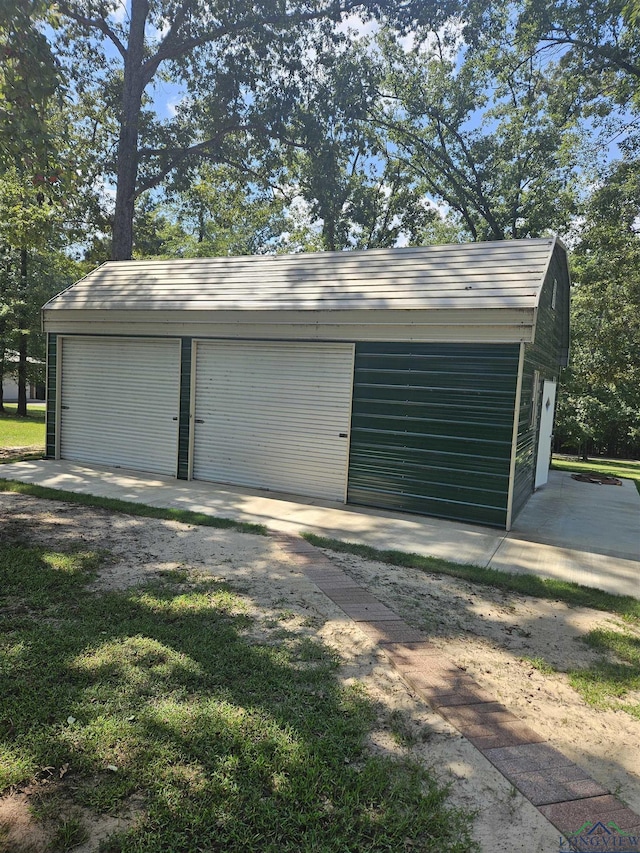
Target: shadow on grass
[{"x": 234, "y": 745}]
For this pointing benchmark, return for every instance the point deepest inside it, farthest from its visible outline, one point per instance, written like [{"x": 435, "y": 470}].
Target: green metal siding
[
  {"x": 546, "y": 355},
  {"x": 526, "y": 441},
  {"x": 52, "y": 363},
  {"x": 185, "y": 408},
  {"x": 432, "y": 428}
]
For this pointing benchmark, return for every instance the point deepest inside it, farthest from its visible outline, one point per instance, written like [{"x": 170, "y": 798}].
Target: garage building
[{"x": 414, "y": 379}]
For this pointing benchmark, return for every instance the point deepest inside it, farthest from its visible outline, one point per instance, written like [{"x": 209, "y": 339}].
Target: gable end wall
[{"x": 547, "y": 355}]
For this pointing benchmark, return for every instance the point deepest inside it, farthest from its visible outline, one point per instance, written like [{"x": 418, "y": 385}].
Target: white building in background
[{"x": 35, "y": 390}]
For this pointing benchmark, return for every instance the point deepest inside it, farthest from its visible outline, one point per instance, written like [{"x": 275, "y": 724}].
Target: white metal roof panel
[{"x": 505, "y": 274}]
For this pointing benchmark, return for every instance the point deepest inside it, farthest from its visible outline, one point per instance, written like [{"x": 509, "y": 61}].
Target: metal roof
[{"x": 505, "y": 274}]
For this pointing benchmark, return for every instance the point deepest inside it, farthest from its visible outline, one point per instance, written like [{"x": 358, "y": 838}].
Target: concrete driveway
[
  {"x": 575, "y": 531},
  {"x": 578, "y": 531}
]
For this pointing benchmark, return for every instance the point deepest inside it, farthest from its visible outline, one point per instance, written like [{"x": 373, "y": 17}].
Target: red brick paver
[
  {"x": 569, "y": 816},
  {"x": 390, "y": 631},
  {"x": 562, "y": 791}
]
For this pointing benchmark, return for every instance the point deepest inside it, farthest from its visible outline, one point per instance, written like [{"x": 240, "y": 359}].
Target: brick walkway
[{"x": 561, "y": 790}]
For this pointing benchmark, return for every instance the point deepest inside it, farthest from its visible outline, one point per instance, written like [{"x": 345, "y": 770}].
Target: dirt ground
[
  {"x": 12, "y": 453},
  {"x": 490, "y": 633}
]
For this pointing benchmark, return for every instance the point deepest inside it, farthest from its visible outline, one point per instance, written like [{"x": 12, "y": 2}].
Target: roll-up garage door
[
  {"x": 273, "y": 415},
  {"x": 119, "y": 402}
]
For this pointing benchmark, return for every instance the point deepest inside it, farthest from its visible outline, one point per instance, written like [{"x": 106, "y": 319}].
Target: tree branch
[
  {"x": 93, "y": 24},
  {"x": 176, "y": 156},
  {"x": 171, "y": 48},
  {"x": 443, "y": 166},
  {"x": 609, "y": 55}
]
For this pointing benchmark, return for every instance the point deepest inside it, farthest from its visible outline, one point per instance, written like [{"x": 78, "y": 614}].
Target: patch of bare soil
[
  {"x": 494, "y": 635},
  {"x": 487, "y": 632},
  {"x": 19, "y": 832}
]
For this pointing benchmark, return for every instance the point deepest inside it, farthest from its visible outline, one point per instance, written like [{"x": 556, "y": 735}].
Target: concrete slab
[
  {"x": 569, "y": 530},
  {"x": 542, "y": 791},
  {"x": 580, "y": 532},
  {"x": 581, "y": 516},
  {"x": 390, "y": 631},
  {"x": 280, "y": 512},
  {"x": 612, "y": 574},
  {"x": 570, "y": 816},
  {"x": 530, "y": 758}
]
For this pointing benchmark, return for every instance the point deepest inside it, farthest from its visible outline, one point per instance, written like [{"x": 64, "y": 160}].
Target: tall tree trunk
[
  {"x": 22, "y": 341},
  {"x": 3, "y": 330},
  {"x": 3, "y": 326},
  {"x": 22, "y": 375},
  {"x": 127, "y": 174}
]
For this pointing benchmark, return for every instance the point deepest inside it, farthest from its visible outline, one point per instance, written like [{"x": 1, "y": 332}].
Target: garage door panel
[
  {"x": 291, "y": 432},
  {"x": 274, "y": 415},
  {"x": 119, "y": 402}
]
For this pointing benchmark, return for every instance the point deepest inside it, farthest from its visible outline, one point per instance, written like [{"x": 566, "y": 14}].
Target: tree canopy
[
  {"x": 239, "y": 68},
  {"x": 29, "y": 79},
  {"x": 601, "y": 405}
]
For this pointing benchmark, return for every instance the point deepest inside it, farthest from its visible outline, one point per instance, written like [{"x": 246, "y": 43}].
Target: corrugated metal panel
[
  {"x": 514, "y": 437},
  {"x": 432, "y": 427},
  {"x": 547, "y": 354},
  {"x": 273, "y": 415},
  {"x": 525, "y": 447},
  {"x": 503, "y": 274},
  {"x": 119, "y": 402},
  {"x": 50, "y": 416}
]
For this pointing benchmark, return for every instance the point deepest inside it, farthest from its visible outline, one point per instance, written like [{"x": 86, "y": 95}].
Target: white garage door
[
  {"x": 273, "y": 415},
  {"x": 119, "y": 402}
]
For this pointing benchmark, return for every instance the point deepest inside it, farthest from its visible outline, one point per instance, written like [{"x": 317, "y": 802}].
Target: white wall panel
[
  {"x": 273, "y": 415},
  {"x": 119, "y": 402}
]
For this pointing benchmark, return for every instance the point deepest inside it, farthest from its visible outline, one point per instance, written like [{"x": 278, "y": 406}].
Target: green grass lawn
[
  {"x": 624, "y": 468},
  {"x": 607, "y": 682},
  {"x": 130, "y": 508},
  {"x": 158, "y": 698},
  {"x": 22, "y": 432},
  {"x": 616, "y": 673}
]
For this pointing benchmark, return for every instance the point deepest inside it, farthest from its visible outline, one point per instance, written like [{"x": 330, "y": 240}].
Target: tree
[
  {"x": 29, "y": 225},
  {"x": 596, "y": 46},
  {"x": 361, "y": 195},
  {"x": 489, "y": 140},
  {"x": 29, "y": 79},
  {"x": 238, "y": 67},
  {"x": 600, "y": 399},
  {"x": 220, "y": 213},
  {"x": 30, "y": 168},
  {"x": 49, "y": 271},
  {"x": 596, "y": 38},
  {"x": 209, "y": 212}
]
